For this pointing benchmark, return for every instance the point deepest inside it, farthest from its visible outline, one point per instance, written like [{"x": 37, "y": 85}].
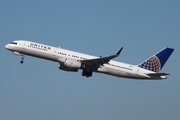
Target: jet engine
[{"x": 69, "y": 65}]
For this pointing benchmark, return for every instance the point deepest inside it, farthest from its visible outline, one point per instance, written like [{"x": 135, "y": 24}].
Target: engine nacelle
[
  {"x": 72, "y": 64},
  {"x": 65, "y": 68},
  {"x": 69, "y": 65}
]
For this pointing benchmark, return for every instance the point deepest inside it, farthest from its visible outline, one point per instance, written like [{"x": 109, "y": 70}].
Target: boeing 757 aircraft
[{"x": 73, "y": 61}]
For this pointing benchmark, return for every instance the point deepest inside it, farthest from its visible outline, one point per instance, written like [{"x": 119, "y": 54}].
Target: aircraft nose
[{"x": 7, "y": 46}]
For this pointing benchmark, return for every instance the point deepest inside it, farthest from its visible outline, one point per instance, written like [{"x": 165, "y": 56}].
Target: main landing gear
[
  {"x": 22, "y": 59},
  {"x": 86, "y": 73}
]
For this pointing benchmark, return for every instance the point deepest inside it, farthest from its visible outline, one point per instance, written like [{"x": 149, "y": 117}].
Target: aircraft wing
[{"x": 101, "y": 60}]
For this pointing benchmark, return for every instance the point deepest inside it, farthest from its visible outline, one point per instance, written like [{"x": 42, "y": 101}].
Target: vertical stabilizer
[{"x": 157, "y": 61}]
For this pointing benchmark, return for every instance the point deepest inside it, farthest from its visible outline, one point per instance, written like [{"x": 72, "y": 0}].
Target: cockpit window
[{"x": 14, "y": 43}]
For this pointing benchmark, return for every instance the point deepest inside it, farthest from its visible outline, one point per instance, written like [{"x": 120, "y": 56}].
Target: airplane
[{"x": 73, "y": 61}]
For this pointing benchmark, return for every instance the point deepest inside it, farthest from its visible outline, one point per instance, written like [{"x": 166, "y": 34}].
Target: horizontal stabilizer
[{"x": 157, "y": 74}]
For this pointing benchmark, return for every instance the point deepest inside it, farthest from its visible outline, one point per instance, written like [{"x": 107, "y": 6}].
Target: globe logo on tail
[{"x": 152, "y": 64}]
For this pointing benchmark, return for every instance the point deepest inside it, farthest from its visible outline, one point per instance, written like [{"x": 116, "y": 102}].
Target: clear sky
[{"x": 38, "y": 90}]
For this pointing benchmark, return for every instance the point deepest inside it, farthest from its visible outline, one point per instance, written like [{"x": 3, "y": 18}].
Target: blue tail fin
[{"x": 156, "y": 62}]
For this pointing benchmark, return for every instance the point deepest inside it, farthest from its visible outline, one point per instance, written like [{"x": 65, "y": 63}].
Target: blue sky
[{"x": 38, "y": 90}]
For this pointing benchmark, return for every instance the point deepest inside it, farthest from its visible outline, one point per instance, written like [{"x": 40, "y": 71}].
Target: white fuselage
[{"x": 47, "y": 52}]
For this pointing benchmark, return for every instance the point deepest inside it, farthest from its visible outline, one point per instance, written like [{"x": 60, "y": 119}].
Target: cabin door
[
  {"x": 55, "y": 52},
  {"x": 23, "y": 45}
]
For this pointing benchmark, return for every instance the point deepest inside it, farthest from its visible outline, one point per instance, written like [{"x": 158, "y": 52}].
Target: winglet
[{"x": 119, "y": 51}]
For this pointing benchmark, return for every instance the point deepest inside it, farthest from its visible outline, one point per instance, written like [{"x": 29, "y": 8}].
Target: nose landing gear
[{"x": 22, "y": 59}]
